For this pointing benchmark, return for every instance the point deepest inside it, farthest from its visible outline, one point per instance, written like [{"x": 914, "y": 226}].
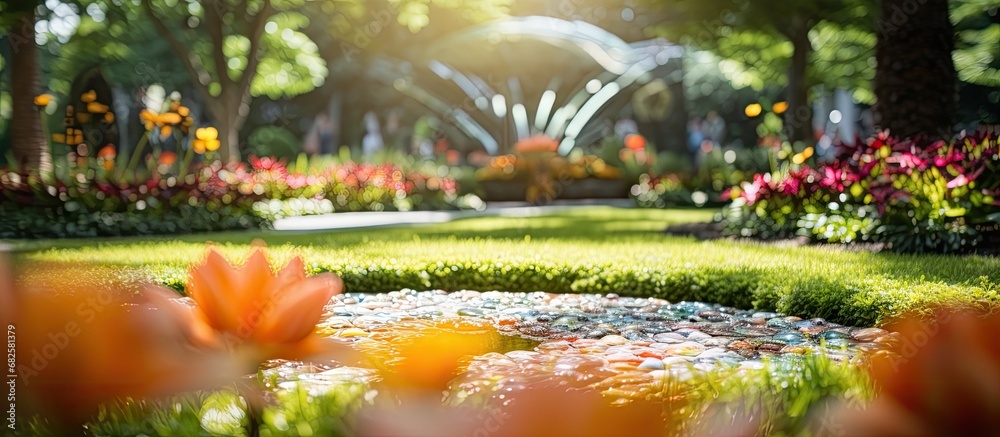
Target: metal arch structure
[{"x": 509, "y": 79}]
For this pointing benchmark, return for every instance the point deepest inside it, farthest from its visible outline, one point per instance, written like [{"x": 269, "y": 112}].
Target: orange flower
[
  {"x": 97, "y": 108},
  {"x": 168, "y": 158},
  {"x": 275, "y": 314},
  {"x": 429, "y": 357},
  {"x": 537, "y": 143},
  {"x": 89, "y": 96},
  {"x": 83, "y": 339},
  {"x": 635, "y": 141},
  {"x": 942, "y": 378},
  {"x": 43, "y": 100},
  {"x": 107, "y": 152}
]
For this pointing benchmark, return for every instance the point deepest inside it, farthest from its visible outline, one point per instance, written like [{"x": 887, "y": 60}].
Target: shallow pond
[{"x": 623, "y": 346}]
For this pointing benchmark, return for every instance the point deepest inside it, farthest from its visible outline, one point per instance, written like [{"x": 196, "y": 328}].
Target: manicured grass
[{"x": 591, "y": 250}]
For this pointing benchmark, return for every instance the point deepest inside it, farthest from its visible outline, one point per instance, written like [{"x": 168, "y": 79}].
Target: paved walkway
[{"x": 348, "y": 220}]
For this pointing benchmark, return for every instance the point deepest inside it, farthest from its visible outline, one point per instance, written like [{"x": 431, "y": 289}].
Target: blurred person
[
  {"x": 320, "y": 137},
  {"x": 714, "y": 129},
  {"x": 372, "y": 142},
  {"x": 695, "y": 138}
]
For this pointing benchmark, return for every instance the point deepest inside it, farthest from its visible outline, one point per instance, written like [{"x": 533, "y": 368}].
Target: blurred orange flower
[
  {"x": 97, "y": 108},
  {"x": 635, "y": 141},
  {"x": 43, "y": 99},
  {"x": 168, "y": 158},
  {"x": 942, "y": 378},
  {"x": 107, "y": 152},
  {"x": 83, "y": 339},
  {"x": 248, "y": 305},
  {"x": 429, "y": 357},
  {"x": 537, "y": 143}
]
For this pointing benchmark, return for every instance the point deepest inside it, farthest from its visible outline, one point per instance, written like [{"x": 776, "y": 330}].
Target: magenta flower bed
[{"x": 913, "y": 194}]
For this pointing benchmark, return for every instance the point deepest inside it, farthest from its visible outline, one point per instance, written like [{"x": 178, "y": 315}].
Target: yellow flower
[
  {"x": 170, "y": 118},
  {"x": 89, "y": 96},
  {"x": 59, "y": 138},
  {"x": 183, "y": 111},
  {"x": 97, "y": 108},
  {"x": 779, "y": 107},
  {"x": 808, "y": 152},
  {"x": 207, "y": 138},
  {"x": 109, "y": 117},
  {"x": 753, "y": 110},
  {"x": 43, "y": 100}
]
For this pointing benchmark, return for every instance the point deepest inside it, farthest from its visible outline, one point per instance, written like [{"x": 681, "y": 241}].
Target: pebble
[
  {"x": 651, "y": 364},
  {"x": 621, "y": 344}
]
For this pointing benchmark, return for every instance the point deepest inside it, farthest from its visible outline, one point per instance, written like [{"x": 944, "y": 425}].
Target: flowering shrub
[
  {"x": 90, "y": 201},
  {"x": 914, "y": 194},
  {"x": 701, "y": 186},
  {"x": 537, "y": 165}
]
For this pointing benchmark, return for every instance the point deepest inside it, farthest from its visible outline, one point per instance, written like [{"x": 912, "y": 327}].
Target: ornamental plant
[
  {"x": 912, "y": 194},
  {"x": 536, "y": 164}
]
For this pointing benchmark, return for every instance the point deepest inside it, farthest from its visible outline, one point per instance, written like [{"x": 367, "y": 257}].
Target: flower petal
[{"x": 298, "y": 308}]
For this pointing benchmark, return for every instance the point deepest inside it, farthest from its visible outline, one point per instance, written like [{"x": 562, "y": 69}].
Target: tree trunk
[
  {"x": 229, "y": 135},
  {"x": 915, "y": 80},
  {"x": 28, "y": 145},
  {"x": 798, "y": 116}
]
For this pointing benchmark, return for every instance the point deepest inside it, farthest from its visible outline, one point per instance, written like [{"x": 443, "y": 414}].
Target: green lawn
[{"x": 592, "y": 250}]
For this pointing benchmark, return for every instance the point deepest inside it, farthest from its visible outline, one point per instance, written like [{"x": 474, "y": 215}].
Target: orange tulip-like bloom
[
  {"x": 943, "y": 378},
  {"x": 537, "y": 143},
  {"x": 248, "y": 305}
]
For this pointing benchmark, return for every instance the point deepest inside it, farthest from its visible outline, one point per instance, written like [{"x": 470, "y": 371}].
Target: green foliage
[
  {"x": 274, "y": 141},
  {"x": 719, "y": 169},
  {"x": 782, "y": 398},
  {"x": 976, "y": 55},
  {"x": 593, "y": 250},
  {"x": 191, "y": 414},
  {"x": 301, "y": 411}
]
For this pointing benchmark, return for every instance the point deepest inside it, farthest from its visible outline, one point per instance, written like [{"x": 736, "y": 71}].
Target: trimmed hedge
[{"x": 593, "y": 250}]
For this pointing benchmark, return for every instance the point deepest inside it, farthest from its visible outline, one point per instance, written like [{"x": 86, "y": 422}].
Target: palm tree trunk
[
  {"x": 915, "y": 81},
  {"x": 28, "y": 145}
]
